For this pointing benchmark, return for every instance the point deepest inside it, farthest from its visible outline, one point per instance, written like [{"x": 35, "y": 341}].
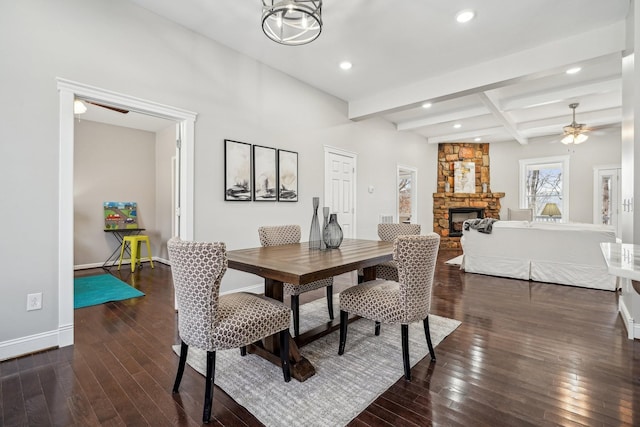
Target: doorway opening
[
  {"x": 68, "y": 92},
  {"x": 407, "y": 197},
  {"x": 606, "y": 196}
]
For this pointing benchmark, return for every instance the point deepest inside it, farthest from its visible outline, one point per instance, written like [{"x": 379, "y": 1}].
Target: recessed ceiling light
[
  {"x": 457, "y": 126},
  {"x": 573, "y": 70},
  {"x": 426, "y": 105},
  {"x": 465, "y": 16},
  {"x": 477, "y": 139},
  {"x": 346, "y": 65}
]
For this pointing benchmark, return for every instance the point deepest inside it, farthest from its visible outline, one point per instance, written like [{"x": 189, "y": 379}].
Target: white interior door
[
  {"x": 339, "y": 188},
  {"x": 606, "y": 196}
]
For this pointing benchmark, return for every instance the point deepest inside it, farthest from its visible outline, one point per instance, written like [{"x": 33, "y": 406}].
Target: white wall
[
  {"x": 602, "y": 148},
  {"x": 165, "y": 154},
  {"x": 117, "y": 46},
  {"x": 117, "y": 164}
]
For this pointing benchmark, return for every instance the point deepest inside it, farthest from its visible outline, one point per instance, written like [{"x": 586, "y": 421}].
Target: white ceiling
[{"x": 501, "y": 76}]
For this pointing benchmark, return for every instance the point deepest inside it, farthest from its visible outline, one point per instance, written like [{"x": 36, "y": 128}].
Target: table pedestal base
[{"x": 301, "y": 368}]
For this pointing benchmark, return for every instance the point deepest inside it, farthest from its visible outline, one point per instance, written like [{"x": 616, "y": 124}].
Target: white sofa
[{"x": 567, "y": 254}]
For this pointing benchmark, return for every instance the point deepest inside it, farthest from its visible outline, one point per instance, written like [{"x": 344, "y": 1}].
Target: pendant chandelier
[
  {"x": 574, "y": 132},
  {"x": 292, "y": 22}
]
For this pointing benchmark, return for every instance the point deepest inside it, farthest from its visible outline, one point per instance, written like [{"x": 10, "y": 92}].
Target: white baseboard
[
  {"x": 633, "y": 328},
  {"x": 32, "y": 343},
  {"x": 115, "y": 263}
]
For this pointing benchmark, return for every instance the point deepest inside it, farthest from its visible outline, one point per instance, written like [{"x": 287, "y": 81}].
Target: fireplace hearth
[{"x": 457, "y": 217}]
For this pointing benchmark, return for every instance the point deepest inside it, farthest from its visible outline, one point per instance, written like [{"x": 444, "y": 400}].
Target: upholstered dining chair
[
  {"x": 211, "y": 322},
  {"x": 389, "y": 232},
  {"x": 283, "y": 235},
  {"x": 405, "y": 301}
]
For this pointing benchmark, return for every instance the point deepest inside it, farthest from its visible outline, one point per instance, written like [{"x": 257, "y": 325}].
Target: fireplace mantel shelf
[{"x": 470, "y": 195}]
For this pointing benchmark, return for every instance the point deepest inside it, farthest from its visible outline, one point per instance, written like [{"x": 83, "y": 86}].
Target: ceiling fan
[
  {"x": 574, "y": 133},
  {"x": 80, "y": 108}
]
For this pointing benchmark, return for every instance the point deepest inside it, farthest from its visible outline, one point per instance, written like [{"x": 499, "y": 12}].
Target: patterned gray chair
[
  {"x": 212, "y": 322},
  {"x": 284, "y": 235},
  {"x": 388, "y": 233},
  {"x": 403, "y": 302}
]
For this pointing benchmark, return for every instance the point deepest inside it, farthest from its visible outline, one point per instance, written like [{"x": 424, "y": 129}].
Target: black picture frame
[
  {"x": 287, "y": 176},
  {"x": 237, "y": 171},
  {"x": 265, "y": 174}
]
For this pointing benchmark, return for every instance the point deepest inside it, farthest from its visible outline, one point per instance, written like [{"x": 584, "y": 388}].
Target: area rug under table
[
  {"x": 94, "y": 290},
  {"x": 342, "y": 387}
]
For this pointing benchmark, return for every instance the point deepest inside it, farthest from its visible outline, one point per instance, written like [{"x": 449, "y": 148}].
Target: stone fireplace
[
  {"x": 457, "y": 217},
  {"x": 450, "y": 205}
]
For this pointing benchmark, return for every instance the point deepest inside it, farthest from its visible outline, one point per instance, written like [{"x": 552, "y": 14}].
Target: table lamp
[{"x": 551, "y": 209}]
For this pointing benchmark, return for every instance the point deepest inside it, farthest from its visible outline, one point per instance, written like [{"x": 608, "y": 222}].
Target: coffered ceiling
[{"x": 500, "y": 77}]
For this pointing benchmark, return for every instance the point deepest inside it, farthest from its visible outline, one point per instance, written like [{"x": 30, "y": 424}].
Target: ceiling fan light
[
  {"x": 568, "y": 139},
  {"x": 573, "y": 133},
  {"x": 579, "y": 139},
  {"x": 79, "y": 107}
]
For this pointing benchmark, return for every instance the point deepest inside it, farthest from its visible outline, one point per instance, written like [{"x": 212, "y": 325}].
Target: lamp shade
[
  {"x": 574, "y": 138},
  {"x": 551, "y": 209}
]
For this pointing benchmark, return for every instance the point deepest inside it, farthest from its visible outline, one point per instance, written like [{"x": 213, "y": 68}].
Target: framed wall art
[
  {"x": 287, "y": 176},
  {"x": 237, "y": 171},
  {"x": 265, "y": 185},
  {"x": 464, "y": 177}
]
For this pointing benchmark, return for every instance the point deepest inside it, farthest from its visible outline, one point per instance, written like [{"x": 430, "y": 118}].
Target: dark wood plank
[{"x": 526, "y": 354}]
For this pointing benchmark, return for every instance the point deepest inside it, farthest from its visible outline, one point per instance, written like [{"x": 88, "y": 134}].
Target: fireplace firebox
[{"x": 457, "y": 217}]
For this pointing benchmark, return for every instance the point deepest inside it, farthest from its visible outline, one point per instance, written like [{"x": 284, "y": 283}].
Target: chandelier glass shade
[
  {"x": 574, "y": 132},
  {"x": 292, "y": 22}
]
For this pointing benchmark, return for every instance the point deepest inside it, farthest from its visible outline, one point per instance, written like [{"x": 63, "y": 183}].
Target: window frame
[{"x": 541, "y": 161}]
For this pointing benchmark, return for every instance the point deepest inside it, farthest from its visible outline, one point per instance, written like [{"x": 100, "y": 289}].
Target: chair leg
[
  {"x": 149, "y": 254},
  {"x": 135, "y": 253},
  {"x": 184, "y": 349},
  {"x": 208, "y": 391},
  {"x": 121, "y": 254},
  {"x": 330, "y": 300},
  {"x": 425, "y": 322},
  {"x": 295, "y": 306},
  {"x": 377, "y": 328},
  {"x": 284, "y": 355},
  {"x": 243, "y": 350},
  {"x": 405, "y": 352},
  {"x": 344, "y": 320}
]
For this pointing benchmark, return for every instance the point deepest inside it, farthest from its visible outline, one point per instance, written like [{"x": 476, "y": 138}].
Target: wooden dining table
[{"x": 298, "y": 264}]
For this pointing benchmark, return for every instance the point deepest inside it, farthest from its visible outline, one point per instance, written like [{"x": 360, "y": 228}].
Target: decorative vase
[
  {"x": 332, "y": 233},
  {"x": 484, "y": 187},
  {"x": 447, "y": 187},
  {"x": 315, "y": 236},
  {"x": 325, "y": 212}
]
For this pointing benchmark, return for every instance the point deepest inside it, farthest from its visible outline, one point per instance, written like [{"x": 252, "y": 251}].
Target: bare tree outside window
[{"x": 543, "y": 185}]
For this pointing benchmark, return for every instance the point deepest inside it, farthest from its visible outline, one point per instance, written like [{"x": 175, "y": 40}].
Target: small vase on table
[
  {"x": 315, "y": 235},
  {"x": 325, "y": 213}
]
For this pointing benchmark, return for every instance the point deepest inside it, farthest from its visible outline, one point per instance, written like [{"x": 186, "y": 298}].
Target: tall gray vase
[
  {"x": 315, "y": 235},
  {"x": 325, "y": 213}
]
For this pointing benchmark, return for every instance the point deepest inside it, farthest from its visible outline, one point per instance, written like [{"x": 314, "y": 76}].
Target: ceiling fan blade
[{"x": 109, "y": 107}]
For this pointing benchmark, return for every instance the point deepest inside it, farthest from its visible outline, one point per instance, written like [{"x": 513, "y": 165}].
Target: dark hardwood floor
[{"x": 526, "y": 354}]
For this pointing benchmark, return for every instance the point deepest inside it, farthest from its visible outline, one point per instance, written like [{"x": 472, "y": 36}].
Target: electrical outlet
[{"x": 34, "y": 301}]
